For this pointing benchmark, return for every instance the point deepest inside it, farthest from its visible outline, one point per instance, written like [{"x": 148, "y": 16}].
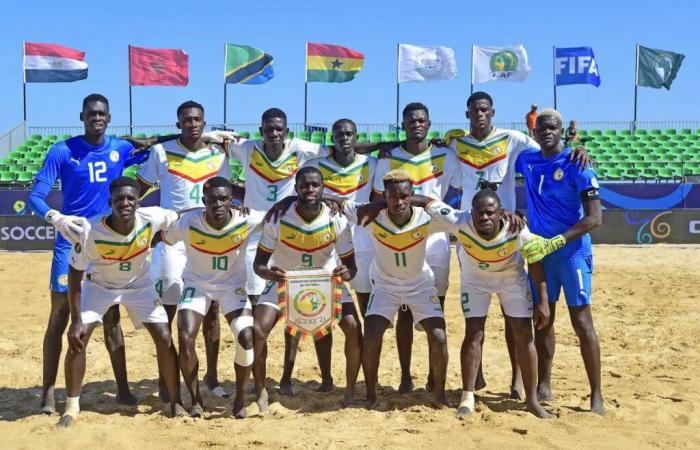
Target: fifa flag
[
  {"x": 657, "y": 68},
  {"x": 575, "y": 66},
  {"x": 247, "y": 65},
  {"x": 157, "y": 67},
  {"x": 499, "y": 63},
  {"x": 426, "y": 63},
  {"x": 51, "y": 63},
  {"x": 332, "y": 63}
]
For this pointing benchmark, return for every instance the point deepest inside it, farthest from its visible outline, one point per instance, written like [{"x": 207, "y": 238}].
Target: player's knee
[
  {"x": 438, "y": 337},
  {"x": 186, "y": 338},
  {"x": 245, "y": 338},
  {"x": 350, "y": 326}
]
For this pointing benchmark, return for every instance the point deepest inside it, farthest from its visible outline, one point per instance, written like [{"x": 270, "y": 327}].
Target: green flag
[
  {"x": 247, "y": 65},
  {"x": 657, "y": 68}
]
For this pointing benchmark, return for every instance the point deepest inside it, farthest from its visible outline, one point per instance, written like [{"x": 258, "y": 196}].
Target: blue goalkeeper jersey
[{"x": 554, "y": 186}]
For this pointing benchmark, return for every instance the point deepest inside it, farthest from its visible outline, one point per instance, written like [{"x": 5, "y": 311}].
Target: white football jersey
[
  {"x": 117, "y": 261},
  {"x": 181, "y": 173}
]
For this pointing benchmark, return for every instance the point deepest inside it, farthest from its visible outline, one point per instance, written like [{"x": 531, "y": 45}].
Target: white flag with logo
[
  {"x": 499, "y": 63},
  {"x": 418, "y": 63}
]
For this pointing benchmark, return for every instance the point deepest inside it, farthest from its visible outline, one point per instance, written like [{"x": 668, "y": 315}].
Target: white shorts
[
  {"x": 169, "y": 261},
  {"x": 270, "y": 296},
  {"x": 442, "y": 279},
  {"x": 361, "y": 283},
  {"x": 423, "y": 302},
  {"x": 143, "y": 305},
  {"x": 198, "y": 298},
  {"x": 254, "y": 284},
  {"x": 513, "y": 292}
]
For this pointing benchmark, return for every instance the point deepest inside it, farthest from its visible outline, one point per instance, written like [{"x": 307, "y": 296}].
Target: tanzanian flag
[
  {"x": 332, "y": 63},
  {"x": 247, "y": 65}
]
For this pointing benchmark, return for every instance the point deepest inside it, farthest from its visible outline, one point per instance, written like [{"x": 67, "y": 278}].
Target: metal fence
[{"x": 10, "y": 140}]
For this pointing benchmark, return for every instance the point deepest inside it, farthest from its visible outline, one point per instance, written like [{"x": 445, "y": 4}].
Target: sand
[{"x": 646, "y": 311}]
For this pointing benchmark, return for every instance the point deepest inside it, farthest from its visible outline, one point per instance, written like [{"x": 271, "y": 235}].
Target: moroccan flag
[
  {"x": 49, "y": 63},
  {"x": 157, "y": 67},
  {"x": 657, "y": 68},
  {"x": 247, "y": 65},
  {"x": 332, "y": 63}
]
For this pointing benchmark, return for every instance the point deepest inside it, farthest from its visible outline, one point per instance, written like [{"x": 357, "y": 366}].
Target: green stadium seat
[
  {"x": 244, "y": 134},
  {"x": 305, "y": 135},
  {"x": 131, "y": 171},
  {"x": 665, "y": 172},
  {"x": 317, "y": 137},
  {"x": 140, "y": 135},
  {"x": 4, "y": 167},
  {"x": 402, "y": 135},
  {"x": 583, "y": 133},
  {"x": 433, "y": 134},
  {"x": 8, "y": 176},
  {"x": 692, "y": 168},
  {"x": 24, "y": 177},
  {"x": 655, "y": 132},
  {"x": 603, "y": 157},
  {"x": 329, "y": 138},
  {"x": 610, "y": 132},
  {"x": 670, "y": 131},
  {"x": 52, "y": 137},
  {"x": 362, "y": 137},
  {"x": 390, "y": 136},
  {"x": 375, "y": 137},
  {"x": 614, "y": 173},
  {"x": 617, "y": 138},
  {"x": 23, "y": 161},
  {"x": 630, "y": 173},
  {"x": 640, "y": 132},
  {"x": 685, "y": 131},
  {"x": 650, "y": 157},
  {"x": 663, "y": 138},
  {"x": 32, "y": 168},
  {"x": 35, "y": 137},
  {"x": 602, "y": 138},
  {"x": 257, "y": 136},
  {"x": 601, "y": 171},
  {"x": 290, "y": 135},
  {"x": 596, "y": 133},
  {"x": 625, "y": 132}
]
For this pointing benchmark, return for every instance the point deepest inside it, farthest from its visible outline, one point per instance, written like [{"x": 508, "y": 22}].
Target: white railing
[{"x": 13, "y": 138}]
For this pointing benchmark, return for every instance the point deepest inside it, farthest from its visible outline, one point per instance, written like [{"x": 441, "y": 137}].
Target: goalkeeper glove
[
  {"x": 535, "y": 250},
  {"x": 71, "y": 227},
  {"x": 219, "y": 136}
]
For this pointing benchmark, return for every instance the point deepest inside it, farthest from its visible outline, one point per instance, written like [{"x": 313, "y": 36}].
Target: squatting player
[
  {"x": 401, "y": 279},
  {"x": 181, "y": 167},
  {"x": 215, "y": 242},
  {"x": 307, "y": 235},
  {"x": 114, "y": 254},
  {"x": 563, "y": 205}
]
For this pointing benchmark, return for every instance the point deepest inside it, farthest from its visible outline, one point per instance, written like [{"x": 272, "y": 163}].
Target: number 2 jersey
[
  {"x": 293, "y": 242},
  {"x": 182, "y": 173},
  {"x": 215, "y": 258},
  {"x": 116, "y": 261}
]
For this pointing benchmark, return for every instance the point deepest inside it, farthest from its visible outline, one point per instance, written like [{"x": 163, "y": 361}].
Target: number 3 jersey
[
  {"x": 215, "y": 258},
  {"x": 294, "y": 242},
  {"x": 181, "y": 173},
  {"x": 116, "y": 261}
]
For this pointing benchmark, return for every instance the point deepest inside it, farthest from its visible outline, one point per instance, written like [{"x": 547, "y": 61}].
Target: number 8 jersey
[{"x": 181, "y": 173}]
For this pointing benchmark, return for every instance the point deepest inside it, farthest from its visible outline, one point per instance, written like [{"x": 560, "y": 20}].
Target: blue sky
[{"x": 104, "y": 29}]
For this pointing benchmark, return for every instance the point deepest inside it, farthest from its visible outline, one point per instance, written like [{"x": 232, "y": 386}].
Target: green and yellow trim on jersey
[
  {"x": 399, "y": 240},
  {"x": 480, "y": 155},
  {"x": 345, "y": 181},
  {"x": 194, "y": 169},
  {"x": 494, "y": 253},
  {"x": 218, "y": 244},
  {"x": 270, "y": 171},
  {"x": 307, "y": 241},
  {"x": 421, "y": 168},
  {"x": 124, "y": 251}
]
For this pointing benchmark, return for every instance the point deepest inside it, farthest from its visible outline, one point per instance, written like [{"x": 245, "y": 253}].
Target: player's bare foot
[
  {"x": 480, "y": 382},
  {"x": 196, "y": 411},
  {"x": 406, "y": 385},
  {"x": 215, "y": 387},
  {"x": 127, "y": 399},
  {"x": 163, "y": 391},
  {"x": 349, "y": 400},
  {"x": 516, "y": 392},
  {"x": 286, "y": 388},
  {"x": 177, "y": 410},
  {"x": 430, "y": 384},
  {"x": 326, "y": 386},
  {"x": 438, "y": 402},
  {"x": 48, "y": 403},
  {"x": 463, "y": 412},
  {"x": 263, "y": 401},
  {"x": 544, "y": 392},
  {"x": 597, "y": 404},
  {"x": 65, "y": 421},
  {"x": 371, "y": 402},
  {"x": 537, "y": 410},
  {"x": 239, "y": 411}
]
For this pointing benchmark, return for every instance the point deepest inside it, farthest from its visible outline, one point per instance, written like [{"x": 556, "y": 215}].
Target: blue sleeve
[
  {"x": 45, "y": 179},
  {"x": 586, "y": 179},
  {"x": 37, "y": 198},
  {"x": 137, "y": 159}
]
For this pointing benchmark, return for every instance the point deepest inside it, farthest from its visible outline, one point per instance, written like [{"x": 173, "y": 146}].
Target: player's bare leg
[
  {"x": 521, "y": 331},
  {"x": 265, "y": 317},
  {"x": 437, "y": 340},
  {"x": 324, "y": 347},
  {"x": 582, "y": 321},
  {"x": 470, "y": 359},
  {"x": 170, "y": 310},
  {"x": 350, "y": 324},
  {"x": 430, "y": 384},
  {"x": 375, "y": 326},
  {"x": 74, "y": 367},
  {"x": 243, "y": 362},
  {"x": 211, "y": 329},
  {"x": 291, "y": 345},
  {"x": 188, "y": 323},
  {"x": 114, "y": 341},
  {"x": 362, "y": 302},
  {"x": 167, "y": 364},
  {"x": 53, "y": 342},
  {"x": 545, "y": 344},
  {"x": 404, "y": 345},
  {"x": 516, "y": 378}
]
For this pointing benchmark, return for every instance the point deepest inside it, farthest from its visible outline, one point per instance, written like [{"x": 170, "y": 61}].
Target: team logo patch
[
  {"x": 326, "y": 237},
  {"x": 558, "y": 174},
  {"x": 434, "y": 299},
  {"x": 141, "y": 241},
  {"x": 236, "y": 238},
  {"x": 503, "y": 252},
  {"x": 289, "y": 168},
  {"x": 240, "y": 291},
  {"x": 78, "y": 248},
  {"x": 528, "y": 296},
  {"x": 433, "y": 168},
  {"x": 114, "y": 156},
  {"x": 20, "y": 207},
  {"x": 484, "y": 265},
  {"x": 417, "y": 234},
  {"x": 360, "y": 178},
  {"x": 594, "y": 183},
  {"x": 310, "y": 302},
  {"x": 444, "y": 211},
  {"x": 63, "y": 280}
]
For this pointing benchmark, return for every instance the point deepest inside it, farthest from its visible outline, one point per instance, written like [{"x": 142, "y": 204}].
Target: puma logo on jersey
[{"x": 76, "y": 161}]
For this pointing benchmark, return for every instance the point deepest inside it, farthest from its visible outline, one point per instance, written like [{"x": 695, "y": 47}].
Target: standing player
[
  {"x": 85, "y": 165},
  {"x": 307, "y": 236},
  {"x": 432, "y": 170},
  {"x": 563, "y": 205},
  {"x": 348, "y": 175},
  {"x": 215, "y": 247},
  {"x": 491, "y": 264},
  {"x": 401, "y": 279},
  {"x": 181, "y": 167},
  {"x": 115, "y": 251},
  {"x": 489, "y": 153}
]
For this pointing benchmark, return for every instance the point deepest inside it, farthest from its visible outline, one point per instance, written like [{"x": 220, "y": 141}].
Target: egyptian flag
[
  {"x": 51, "y": 63},
  {"x": 157, "y": 67}
]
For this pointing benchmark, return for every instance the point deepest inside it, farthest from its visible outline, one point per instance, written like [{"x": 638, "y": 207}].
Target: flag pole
[
  {"x": 24, "y": 85},
  {"x": 471, "y": 81},
  {"x": 636, "y": 82},
  {"x": 306, "y": 84},
  {"x": 131, "y": 117},
  {"x": 554, "y": 73},
  {"x": 397, "y": 85},
  {"x": 225, "y": 47}
]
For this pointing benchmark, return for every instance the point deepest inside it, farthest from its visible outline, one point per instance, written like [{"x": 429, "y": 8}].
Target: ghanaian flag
[{"x": 328, "y": 63}]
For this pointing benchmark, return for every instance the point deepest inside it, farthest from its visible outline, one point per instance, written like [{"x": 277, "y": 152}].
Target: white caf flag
[
  {"x": 417, "y": 63},
  {"x": 499, "y": 63}
]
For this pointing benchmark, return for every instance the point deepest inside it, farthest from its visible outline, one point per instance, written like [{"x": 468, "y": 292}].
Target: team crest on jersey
[
  {"x": 417, "y": 234},
  {"x": 528, "y": 296},
  {"x": 114, "y": 156},
  {"x": 558, "y": 174},
  {"x": 240, "y": 291},
  {"x": 289, "y": 168},
  {"x": 326, "y": 237},
  {"x": 236, "y": 238},
  {"x": 63, "y": 280},
  {"x": 360, "y": 178},
  {"x": 435, "y": 299},
  {"x": 503, "y": 251},
  {"x": 433, "y": 168},
  {"x": 141, "y": 241}
]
